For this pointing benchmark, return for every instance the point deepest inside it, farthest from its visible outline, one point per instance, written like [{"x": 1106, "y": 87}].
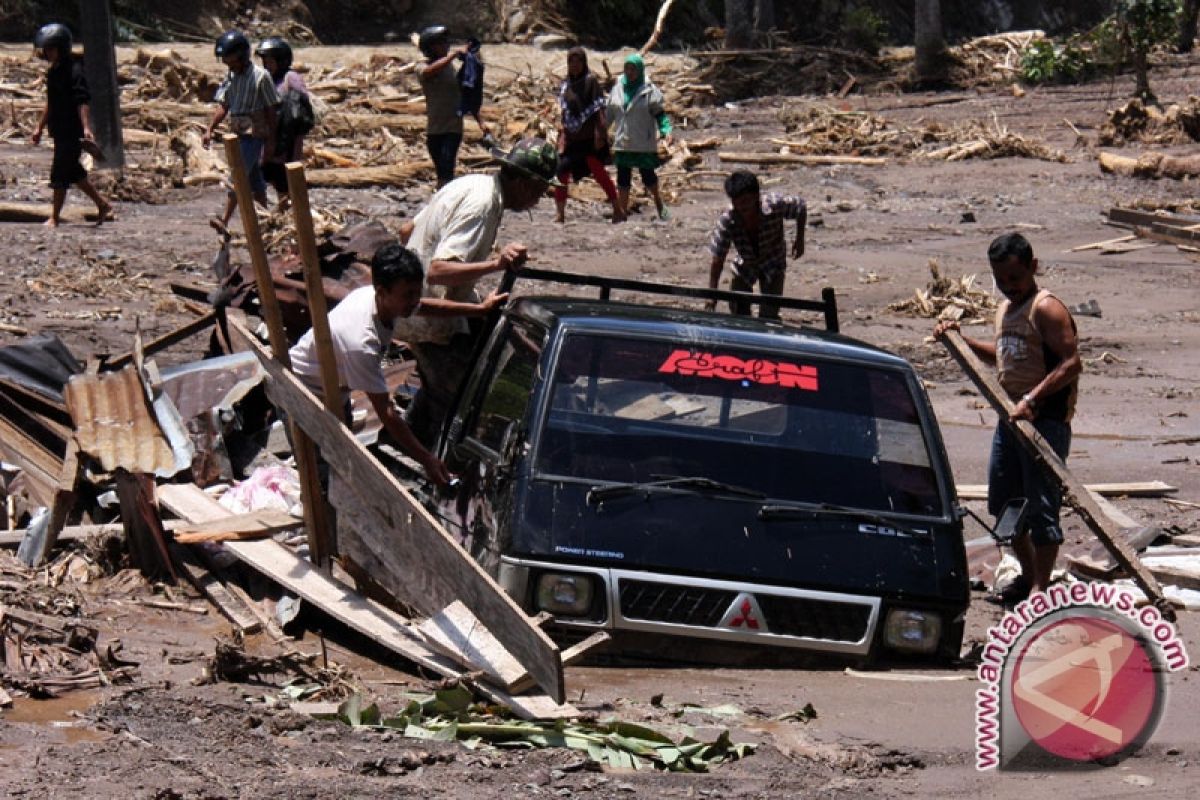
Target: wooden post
[
  {"x": 100, "y": 67},
  {"x": 1075, "y": 494},
  {"x": 318, "y": 311},
  {"x": 316, "y": 523}
]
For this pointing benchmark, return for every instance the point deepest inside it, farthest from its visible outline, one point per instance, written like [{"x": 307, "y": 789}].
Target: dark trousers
[{"x": 443, "y": 149}]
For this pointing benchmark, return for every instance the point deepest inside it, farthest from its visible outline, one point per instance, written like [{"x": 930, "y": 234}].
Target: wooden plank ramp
[
  {"x": 377, "y": 622},
  {"x": 421, "y": 546}
]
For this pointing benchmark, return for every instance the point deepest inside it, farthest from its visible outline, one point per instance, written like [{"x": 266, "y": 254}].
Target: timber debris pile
[{"x": 960, "y": 300}]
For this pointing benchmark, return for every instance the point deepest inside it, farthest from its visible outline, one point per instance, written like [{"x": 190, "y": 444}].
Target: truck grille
[
  {"x": 682, "y": 605},
  {"x": 815, "y": 619},
  {"x": 706, "y": 607}
]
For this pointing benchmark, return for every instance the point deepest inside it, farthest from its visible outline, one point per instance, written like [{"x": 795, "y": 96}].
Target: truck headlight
[
  {"x": 567, "y": 595},
  {"x": 912, "y": 631}
]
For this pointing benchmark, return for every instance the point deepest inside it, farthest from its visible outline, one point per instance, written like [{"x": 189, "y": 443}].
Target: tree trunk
[
  {"x": 100, "y": 66},
  {"x": 930, "y": 44},
  {"x": 739, "y": 28},
  {"x": 1141, "y": 71},
  {"x": 764, "y": 15},
  {"x": 1187, "y": 25}
]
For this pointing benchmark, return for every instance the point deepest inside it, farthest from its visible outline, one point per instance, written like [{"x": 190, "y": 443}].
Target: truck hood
[{"x": 723, "y": 538}]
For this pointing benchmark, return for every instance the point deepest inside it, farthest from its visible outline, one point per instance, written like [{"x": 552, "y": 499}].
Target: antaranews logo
[{"x": 1073, "y": 676}]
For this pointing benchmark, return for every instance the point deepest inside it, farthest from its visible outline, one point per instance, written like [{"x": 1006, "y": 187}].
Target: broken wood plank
[
  {"x": 166, "y": 340},
  {"x": 796, "y": 158},
  {"x": 143, "y": 528},
  {"x": 457, "y": 633},
  {"x": 240, "y": 527},
  {"x": 978, "y": 491},
  {"x": 571, "y": 655},
  {"x": 375, "y": 621},
  {"x": 1074, "y": 493},
  {"x": 1105, "y": 243},
  {"x": 41, "y": 467},
  {"x": 238, "y": 614},
  {"x": 426, "y": 547}
]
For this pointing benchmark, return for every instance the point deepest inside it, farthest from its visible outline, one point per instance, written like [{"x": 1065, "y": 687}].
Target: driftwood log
[{"x": 1151, "y": 165}]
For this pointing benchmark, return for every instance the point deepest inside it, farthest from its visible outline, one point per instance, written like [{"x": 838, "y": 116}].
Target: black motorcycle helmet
[
  {"x": 278, "y": 49},
  {"x": 53, "y": 35},
  {"x": 434, "y": 34},
  {"x": 231, "y": 43}
]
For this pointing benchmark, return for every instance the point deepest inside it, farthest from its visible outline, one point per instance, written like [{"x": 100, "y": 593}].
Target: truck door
[{"x": 489, "y": 446}]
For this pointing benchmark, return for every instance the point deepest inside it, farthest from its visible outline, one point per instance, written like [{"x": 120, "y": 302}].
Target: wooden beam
[
  {"x": 1131, "y": 218},
  {"x": 1074, "y": 493},
  {"x": 378, "y": 623},
  {"x": 318, "y": 311},
  {"x": 571, "y": 655},
  {"x": 797, "y": 158},
  {"x": 236, "y": 611},
  {"x": 254, "y": 525},
  {"x": 144, "y": 532},
  {"x": 424, "y": 546},
  {"x": 166, "y": 340},
  {"x": 978, "y": 491},
  {"x": 316, "y": 522}
]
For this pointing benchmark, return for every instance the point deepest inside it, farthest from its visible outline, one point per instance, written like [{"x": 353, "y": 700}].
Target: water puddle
[{"x": 58, "y": 715}]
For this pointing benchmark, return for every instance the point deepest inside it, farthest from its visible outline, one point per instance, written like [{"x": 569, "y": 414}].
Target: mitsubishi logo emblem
[{"x": 744, "y": 613}]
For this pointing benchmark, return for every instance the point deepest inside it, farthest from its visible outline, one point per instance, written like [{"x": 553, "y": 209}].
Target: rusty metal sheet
[{"x": 115, "y": 425}]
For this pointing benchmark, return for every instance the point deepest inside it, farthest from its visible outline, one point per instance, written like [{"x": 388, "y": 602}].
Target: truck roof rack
[{"x": 827, "y": 305}]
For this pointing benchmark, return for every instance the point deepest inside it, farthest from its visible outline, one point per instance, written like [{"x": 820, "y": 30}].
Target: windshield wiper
[
  {"x": 598, "y": 494},
  {"x": 802, "y": 510}
]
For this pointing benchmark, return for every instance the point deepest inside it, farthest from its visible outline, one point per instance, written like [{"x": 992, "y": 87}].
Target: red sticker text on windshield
[{"x": 732, "y": 368}]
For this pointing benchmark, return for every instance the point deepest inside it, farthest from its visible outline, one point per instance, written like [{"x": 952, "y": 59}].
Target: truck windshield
[{"x": 791, "y": 427}]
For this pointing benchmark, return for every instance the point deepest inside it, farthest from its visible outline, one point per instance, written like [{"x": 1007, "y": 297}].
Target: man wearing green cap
[{"x": 454, "y": 236}]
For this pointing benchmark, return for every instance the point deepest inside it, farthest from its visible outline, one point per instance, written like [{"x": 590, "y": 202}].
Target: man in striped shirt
[
  {"x": 249, "y": 98},
  {"x": 754, "y": 225}
]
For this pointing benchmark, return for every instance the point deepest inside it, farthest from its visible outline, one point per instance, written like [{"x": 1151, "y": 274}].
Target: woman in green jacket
[{"x": 635, "y": 110}]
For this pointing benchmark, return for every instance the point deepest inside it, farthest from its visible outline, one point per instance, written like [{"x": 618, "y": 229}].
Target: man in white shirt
[
  {"x": 362, "y": 325},
  {"x": 454, "y": 236}
]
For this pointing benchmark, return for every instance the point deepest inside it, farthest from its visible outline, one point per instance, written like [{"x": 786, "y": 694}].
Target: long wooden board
[
  {"x": 978, "y": 491},
  {"x": 375, "y": 621},
  {"x": 1074, "y": 493},
  {"x": 426, "y": 547}
]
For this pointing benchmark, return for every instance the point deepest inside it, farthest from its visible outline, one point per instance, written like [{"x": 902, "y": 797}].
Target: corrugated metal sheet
[{"x": 115, "y": 425}]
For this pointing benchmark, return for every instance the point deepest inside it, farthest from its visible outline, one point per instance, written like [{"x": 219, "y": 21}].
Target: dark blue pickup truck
[{"x": 645, "y": 469}]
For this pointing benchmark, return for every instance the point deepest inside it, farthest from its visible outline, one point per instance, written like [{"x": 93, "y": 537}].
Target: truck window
[
  {"x": 792, "y": 427},
  {"x": 508, "y": 390}
]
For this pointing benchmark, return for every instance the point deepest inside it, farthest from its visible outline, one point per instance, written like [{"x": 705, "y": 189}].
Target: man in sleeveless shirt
[{"x": 1036, "y": 350}]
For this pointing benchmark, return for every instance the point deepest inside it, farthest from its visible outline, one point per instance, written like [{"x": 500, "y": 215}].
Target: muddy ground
[{"x": 874, "y": 231}]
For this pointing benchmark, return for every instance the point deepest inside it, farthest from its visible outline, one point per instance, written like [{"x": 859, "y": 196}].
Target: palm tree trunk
[
  {"x": 930, "y": 44},
  {"x": 1187, "y": 25},
  {"x": 739, "y": 24}
]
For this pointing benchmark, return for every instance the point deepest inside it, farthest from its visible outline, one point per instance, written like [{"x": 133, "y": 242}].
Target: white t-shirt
[
  {"x": 359, "y": 339},
  {"x": 460, "y": 223}
]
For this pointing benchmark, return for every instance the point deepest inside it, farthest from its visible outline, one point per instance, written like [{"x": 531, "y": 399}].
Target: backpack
[{"x": 296, "y": 117}]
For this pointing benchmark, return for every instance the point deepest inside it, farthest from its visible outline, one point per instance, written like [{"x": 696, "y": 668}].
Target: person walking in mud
[
  {"x": 635, "y": 110},
  {"x": 295, "y": 114},
  {"x": 67, "y": 114},
  {"x": 1036, "y": 350},
  {"x": 754, "y": 225},
  {"x": 248, "y": 98},
  {"x": 583, "y": 136}
]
